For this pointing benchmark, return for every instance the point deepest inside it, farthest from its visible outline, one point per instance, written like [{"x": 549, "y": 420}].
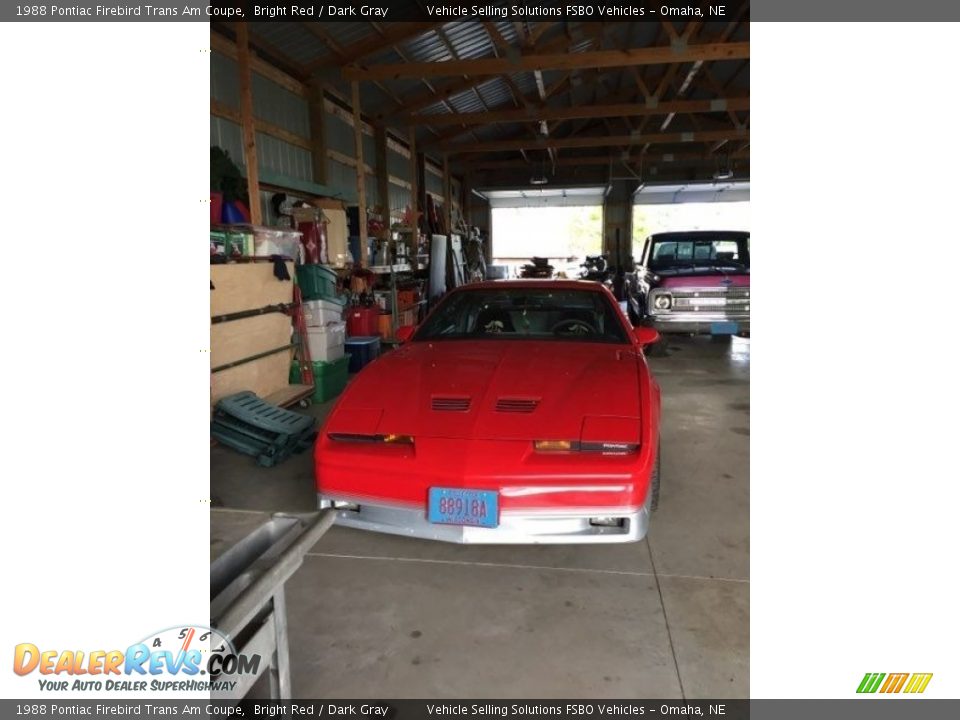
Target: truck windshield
[{"x": 707, "y": 253}]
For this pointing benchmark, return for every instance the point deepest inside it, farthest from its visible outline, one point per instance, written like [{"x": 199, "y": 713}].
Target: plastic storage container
[
  {"x": 362, "y": 351},
  {"x": 318, "y": 313},
  {"x": 276, "y": 241},
  {"x": 330, "y": 378},
  {"x": 318, "y": 282},
  {"x": 326, "y": 343},
  {"x": 385, "y": 325},
  {"x": 362, "y": 321}
]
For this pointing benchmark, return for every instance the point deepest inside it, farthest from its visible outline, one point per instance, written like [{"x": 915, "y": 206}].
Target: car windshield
[
  {"x": 700, "y": 254},
  {"x": 525, "y": 314}
]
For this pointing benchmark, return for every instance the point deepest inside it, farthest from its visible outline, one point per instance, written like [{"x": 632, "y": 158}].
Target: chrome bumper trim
[
  {"x": 698, "y": 323},
  {"x": 514, "y": 529}
]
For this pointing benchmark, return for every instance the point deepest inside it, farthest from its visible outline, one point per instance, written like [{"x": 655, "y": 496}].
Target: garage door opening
[
  {"x": 561, "y": 224},
  {"x": 670, "y": 208}
]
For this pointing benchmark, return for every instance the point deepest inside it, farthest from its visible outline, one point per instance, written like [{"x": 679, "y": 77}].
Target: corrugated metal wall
[
  {"x": 271, "y": 103},
  {"x": 279, "y": 106}
]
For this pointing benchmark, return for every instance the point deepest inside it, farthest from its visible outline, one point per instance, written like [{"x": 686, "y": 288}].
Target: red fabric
[{"x": 312, "y": 242}]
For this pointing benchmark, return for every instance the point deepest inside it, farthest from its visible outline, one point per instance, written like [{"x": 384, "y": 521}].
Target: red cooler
[{"x": 362, "y": 321}]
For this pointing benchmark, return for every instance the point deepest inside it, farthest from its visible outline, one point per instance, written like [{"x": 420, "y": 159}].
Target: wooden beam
[
  {"x": 222, "y": 110},
  {"x": 447, "y": 194},
  {"x": 247, "y": 124},
  {"x": 361, "y": 180},
  {"x": 442, "y": 93},
  {"x": 226, "y": 47},
  {"x": 535, "y": 114},
  {"x": 383, "y": 178},
  {"x": 414, "y": 189},
  {"x": 602, "y": 160},
  {"x": 553, "y": 61},
  {"x": 330, "y": 42},
  {"x": 595, "y": 141},
  {"x": 397, "y": 33}
]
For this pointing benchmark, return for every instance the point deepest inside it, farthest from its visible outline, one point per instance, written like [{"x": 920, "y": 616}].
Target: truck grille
[{"x": 711, "y": 298}]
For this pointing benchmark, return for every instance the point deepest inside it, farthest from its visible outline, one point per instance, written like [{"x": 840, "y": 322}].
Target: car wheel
[{"x": 655, "y": 482}]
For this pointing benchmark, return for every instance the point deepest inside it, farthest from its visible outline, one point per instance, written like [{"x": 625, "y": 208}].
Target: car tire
[{"x": 655, "y": 482}]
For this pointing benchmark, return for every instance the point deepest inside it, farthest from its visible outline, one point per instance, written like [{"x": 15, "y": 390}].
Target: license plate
[
  {"x": 724, "y": 328},
  {"x": 709, "y": 301},
  {"x": 453, "y": 506}
]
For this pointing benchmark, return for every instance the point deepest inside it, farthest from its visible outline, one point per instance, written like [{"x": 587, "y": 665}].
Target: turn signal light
[
  {"x": 606, "y": 448},
  {"x": 359, "y": 438},
  {"x": 552, "y": 445}
]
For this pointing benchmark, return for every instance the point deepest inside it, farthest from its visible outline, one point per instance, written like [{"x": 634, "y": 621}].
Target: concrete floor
[{"x": 378, "y": 616}]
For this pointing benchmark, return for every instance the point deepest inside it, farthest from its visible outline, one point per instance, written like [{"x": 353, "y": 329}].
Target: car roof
[{"x": 534, "y": 283}]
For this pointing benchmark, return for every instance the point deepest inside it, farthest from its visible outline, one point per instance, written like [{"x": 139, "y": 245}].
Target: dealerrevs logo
[
  {"x": 892, "y": 683},
  {"x": 182, "y": 659}
]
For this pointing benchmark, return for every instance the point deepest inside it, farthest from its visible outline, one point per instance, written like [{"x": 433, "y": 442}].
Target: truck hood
[
  {"x": 704, "y": 280},
  {"x": 495, "y": 390}
]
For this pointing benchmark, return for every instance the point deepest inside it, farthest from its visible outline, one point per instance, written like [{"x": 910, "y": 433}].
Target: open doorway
[
  {"x": 564, "y": 235},
  {"x": 563, "y": 225},
  {"x": 689, "y": 207}
]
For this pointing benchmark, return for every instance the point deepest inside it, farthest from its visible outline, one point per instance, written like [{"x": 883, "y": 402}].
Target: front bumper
[
  {"x": 699, "y": 323},
  {"x": 527, "y": 528}
]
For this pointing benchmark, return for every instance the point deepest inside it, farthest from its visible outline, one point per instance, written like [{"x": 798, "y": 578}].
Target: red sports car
[{"x": 518, "y": 412}]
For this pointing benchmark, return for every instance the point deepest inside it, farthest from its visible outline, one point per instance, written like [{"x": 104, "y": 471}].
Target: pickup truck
[{"x": 696, "y": 282}]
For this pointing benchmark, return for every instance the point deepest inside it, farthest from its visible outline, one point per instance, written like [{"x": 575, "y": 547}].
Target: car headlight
[{"x": 662, "y": 302}]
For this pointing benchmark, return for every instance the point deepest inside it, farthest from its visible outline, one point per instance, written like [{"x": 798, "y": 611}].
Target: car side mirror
[
  {"x": 405, "y": 332},
  {"x": 645, "y": 335}
]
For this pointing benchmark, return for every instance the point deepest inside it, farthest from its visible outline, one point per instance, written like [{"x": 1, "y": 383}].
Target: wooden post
[
  {"x": 361, "y": 181},
  {"x": 318, "y": 132},
  {"x": 414, "y": 185},
  {"x": 383, "y": 176},
  {"x": 247, "y": 123},
  {"x": 447, "y": 194}
]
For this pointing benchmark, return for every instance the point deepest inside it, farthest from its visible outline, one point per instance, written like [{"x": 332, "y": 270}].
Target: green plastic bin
[
  {"x": 330, "y": 378},
  {"x": 318, "y": 282}
]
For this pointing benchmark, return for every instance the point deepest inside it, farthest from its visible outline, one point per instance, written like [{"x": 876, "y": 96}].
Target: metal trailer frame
[{"x": 247, "y": 601}]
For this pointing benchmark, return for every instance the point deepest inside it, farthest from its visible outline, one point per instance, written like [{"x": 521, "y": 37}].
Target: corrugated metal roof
[
  {"x": 293, "y": 39},
  {"x": 496, "y": 93},
  {"x": 466, "y": 102},
  {"x": 469, "y": 40},
  {"x": 347, "y": 33},
  {"x": 427, "y": 48}
]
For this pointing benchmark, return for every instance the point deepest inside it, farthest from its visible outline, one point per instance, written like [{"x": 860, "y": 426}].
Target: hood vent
[
  {"x": 517, "y": 405},
  {"x": 450, "y": 404}
]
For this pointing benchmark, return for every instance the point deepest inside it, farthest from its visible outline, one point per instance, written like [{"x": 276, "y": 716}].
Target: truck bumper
[{"x": 701, "y": 324}]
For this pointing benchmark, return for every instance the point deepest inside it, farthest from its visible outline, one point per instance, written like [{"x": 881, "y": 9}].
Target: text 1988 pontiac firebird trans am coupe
[{"x": 518, "y": 412}]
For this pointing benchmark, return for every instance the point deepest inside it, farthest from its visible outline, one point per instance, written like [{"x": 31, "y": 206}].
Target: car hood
[{"x": 516, "y": 389}]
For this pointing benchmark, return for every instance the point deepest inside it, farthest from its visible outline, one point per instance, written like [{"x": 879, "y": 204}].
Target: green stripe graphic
[{"x": 871, "y": 682}]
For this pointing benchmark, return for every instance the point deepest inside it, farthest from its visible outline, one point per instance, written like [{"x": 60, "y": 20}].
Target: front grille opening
[
  {"x": 517, "y": 405},
  {"x": 608, "y": 522},
  {"x": 450, "y": 404}
]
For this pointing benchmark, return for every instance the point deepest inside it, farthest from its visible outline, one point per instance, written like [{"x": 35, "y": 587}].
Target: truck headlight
[{"x": 662, "y": 302}]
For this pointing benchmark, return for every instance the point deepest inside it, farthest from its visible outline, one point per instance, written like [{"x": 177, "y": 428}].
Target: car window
[{"x": 525, "y": 313}]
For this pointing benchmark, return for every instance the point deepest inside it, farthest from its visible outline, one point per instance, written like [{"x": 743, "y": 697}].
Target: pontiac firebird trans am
[{"x": 518, "y": 412}]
